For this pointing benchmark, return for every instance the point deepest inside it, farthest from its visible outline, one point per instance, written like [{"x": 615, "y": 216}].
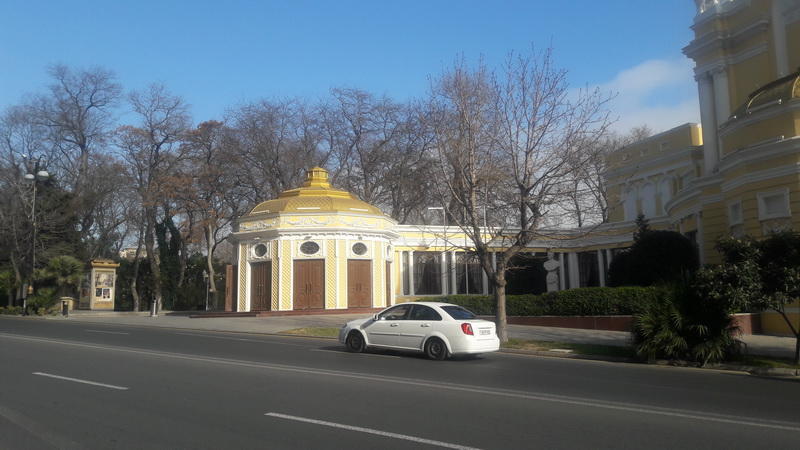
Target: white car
[{"x": 438, "y": 329}]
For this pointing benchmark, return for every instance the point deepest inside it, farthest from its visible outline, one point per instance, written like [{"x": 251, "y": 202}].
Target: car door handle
[
  {"x": 425, "y": 325},
  {"x": 393, "y": 324}
]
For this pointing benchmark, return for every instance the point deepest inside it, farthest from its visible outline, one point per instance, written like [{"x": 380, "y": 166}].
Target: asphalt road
[{"x": 78, "y": 385}]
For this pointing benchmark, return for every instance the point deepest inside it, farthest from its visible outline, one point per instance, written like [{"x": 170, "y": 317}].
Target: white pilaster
[
  {"x": 561, "y": 274},
  {"x": 779, "y": 37},
  {"x": 700, "y": 238}
]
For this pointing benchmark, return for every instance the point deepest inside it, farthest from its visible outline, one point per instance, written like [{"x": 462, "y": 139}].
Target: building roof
[
  {"x": 316, "y": 195},
  {"x": 779, "y": 91}
]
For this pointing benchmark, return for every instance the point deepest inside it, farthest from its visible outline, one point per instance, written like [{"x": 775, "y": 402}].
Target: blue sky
[{"x": 220, "y": 54}]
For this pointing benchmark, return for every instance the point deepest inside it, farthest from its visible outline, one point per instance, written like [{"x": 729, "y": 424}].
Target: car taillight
[{"x": 467, "y": 329}]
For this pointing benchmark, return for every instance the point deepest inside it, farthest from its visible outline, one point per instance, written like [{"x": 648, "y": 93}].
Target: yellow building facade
[{"x": 738, "y": 172}]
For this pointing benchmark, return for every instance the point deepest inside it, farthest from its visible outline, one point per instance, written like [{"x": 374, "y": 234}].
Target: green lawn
[
  {"x": 314, "y": 332},
  {"x": 765, "y": 361},
  {"x": 579, "y": 349}
]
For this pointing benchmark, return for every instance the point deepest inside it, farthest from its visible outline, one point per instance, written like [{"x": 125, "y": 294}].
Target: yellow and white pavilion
[{"x": 737, "y": 173}]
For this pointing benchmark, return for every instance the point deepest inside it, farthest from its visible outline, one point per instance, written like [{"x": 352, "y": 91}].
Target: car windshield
[{"x": 458, "y": 313}]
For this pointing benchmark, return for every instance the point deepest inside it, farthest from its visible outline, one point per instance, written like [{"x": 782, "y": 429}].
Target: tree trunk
[
  {"x": 212, "y": 285},
  {"x": 136, "y": 262},
  {"x": 500, "y": 301},
  {"x": 155, "y": 267}
]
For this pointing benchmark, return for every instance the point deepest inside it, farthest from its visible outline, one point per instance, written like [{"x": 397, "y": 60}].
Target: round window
[
  {"x": 260, "y": 250},
  {"x": 359, "y": 248},
  {"x": 309, "y": 248}
]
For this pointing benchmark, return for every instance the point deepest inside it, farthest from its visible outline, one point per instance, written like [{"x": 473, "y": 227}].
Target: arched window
[
  {"x": 629, "y": 203},
  {"x": 665, "y": 192},
  {"x": 648, "y": 197}
]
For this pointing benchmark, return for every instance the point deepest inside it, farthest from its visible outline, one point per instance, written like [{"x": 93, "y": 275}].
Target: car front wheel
[
  {"x": 355, "y": 342},
  {"x": 436, "y": 349}
]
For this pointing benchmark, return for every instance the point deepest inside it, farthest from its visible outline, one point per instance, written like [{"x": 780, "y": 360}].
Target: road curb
[{"x": 776, "y": 372}]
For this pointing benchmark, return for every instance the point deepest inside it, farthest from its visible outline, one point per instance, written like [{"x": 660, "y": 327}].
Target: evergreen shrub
[{"x": 595, "y": 301}]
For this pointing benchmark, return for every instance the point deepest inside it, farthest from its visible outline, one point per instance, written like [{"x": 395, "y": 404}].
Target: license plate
[{"x": 485, "y": 332}]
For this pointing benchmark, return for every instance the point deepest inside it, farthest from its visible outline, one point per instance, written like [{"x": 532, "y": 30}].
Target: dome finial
[{"x": 317, "y": 176}]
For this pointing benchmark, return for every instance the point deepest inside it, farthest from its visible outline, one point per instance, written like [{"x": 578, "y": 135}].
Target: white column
[
  {"x": 601, "y": 267},
  {"x": 722, "y": 97},
  {"x": 411, "y": 272},
  {"x": 705, "y": 88},
  {"x": 562, "y": 276},
  {"x": 443, "y": 265},
  {"x": 574, "y": 272},
  {"x": 453, "y": 272},
  {"x": 779, "y": 37}
]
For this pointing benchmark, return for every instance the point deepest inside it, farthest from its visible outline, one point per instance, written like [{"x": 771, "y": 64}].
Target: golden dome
[{"x": 316, "y": 195}]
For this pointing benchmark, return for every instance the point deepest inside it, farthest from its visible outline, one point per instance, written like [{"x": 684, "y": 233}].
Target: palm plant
[
  {"x": 685, "y": 326},
  {"x": 66, "y": 273}
]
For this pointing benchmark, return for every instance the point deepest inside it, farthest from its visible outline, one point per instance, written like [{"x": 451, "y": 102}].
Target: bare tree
[
  {"x": 78, "y": 113},
  {"x": 378, "y": 150},
  {"x": 276, "y": 142},
  {"x": 510, "y": 142},
  {"x": 588, "y": 201},
  {"x": 23, "y": 147},
  {"x": 151, "y": 151},
  {"x": 208, "y": 188}
]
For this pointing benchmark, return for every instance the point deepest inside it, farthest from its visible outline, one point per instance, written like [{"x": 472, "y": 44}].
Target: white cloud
[{"x": 659, "y": 93}]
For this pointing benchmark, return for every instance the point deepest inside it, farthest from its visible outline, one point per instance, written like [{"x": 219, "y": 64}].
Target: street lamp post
[{"x": 33, "y": 178}]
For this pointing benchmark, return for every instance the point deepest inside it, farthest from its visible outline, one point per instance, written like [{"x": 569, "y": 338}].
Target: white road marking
[
  {"x": 520, "y": 395},
  {"x": 78, "y": 380},
  {"x": 239, "y": 339},
  {"x": 106, "y": 332},
  {"x": 371, "y": 431}
]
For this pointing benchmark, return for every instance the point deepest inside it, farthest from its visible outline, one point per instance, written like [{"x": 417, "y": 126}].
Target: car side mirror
[{"x": 376, "y": 318}]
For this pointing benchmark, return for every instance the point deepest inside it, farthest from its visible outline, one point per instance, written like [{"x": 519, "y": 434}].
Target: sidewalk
[{"x": 776, "y": 346}]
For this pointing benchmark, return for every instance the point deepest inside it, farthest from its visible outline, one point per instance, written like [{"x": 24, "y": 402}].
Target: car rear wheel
[
  {"x": 355, "y": 342},
  {"x": 436, "y": 349}
]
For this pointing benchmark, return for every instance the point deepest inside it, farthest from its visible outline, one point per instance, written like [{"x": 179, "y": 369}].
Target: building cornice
[
  {"x": 778, "y": 146},
  {"x": 685, "y": 154},
  {"x": 759, "y": 114}
]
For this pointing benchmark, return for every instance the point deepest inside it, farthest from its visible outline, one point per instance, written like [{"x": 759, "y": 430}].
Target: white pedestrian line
[
  {"x": 497, "y": 392},
  {"x": 106, "y": 332},
  {"x": 239, "y": 339},
  {"x": 78, "y": 380},
  {"x": 371, "y": 431}
]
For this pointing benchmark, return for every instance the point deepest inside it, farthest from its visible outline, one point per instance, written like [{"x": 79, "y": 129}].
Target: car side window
[
  {"x": 422, "y": 312},
  {"x": 397, "y": 313}
]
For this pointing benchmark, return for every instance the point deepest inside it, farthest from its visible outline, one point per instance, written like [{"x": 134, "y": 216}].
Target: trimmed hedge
[{"x": 595, "y": 301}]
